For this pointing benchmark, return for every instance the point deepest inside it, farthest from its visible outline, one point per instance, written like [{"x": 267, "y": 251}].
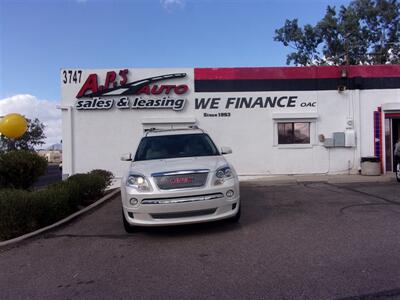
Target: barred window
[{"x": 294, "y": 133}]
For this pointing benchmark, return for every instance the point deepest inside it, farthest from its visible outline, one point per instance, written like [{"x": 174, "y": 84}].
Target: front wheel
[
  {"x": 128, "y": 227},
  {"x": 236, "y": 217},
  {"x": 398, "y": 172}
]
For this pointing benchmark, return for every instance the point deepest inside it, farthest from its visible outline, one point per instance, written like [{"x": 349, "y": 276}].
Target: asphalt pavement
[
  {"x": 294, "y": 241},
  {"x": 52, "y": 175}
]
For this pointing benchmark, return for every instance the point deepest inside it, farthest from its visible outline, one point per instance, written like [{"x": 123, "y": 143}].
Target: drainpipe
[
  {"x": 358, "y": 129},
  {"x": 69, "y": 141}
]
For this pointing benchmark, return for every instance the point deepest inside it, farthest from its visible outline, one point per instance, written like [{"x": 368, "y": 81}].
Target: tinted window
[
  {"x": 171, "y": 146},
  {"x": 293, "y": 133}
]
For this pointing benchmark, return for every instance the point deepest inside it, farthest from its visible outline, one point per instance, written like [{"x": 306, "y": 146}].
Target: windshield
[{"x": 172, "y": 146}]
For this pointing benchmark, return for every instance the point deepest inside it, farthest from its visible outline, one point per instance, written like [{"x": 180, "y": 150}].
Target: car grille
[
  {"x": 185, "y": 199},
  {"x": 181, "y": 179},
  {"x": 184, "y": 214}
]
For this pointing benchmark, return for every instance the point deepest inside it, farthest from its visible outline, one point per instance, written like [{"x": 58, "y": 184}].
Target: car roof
[{"x": 175, "y": 131}]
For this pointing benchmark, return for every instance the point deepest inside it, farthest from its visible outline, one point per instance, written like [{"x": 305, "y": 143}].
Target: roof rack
[{"x": 153, "y": 129}]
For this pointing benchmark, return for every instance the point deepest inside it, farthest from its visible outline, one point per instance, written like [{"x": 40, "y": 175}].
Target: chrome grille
[
  {"x": 181, "y": 179},
  {"x": 185, "y": 199}
]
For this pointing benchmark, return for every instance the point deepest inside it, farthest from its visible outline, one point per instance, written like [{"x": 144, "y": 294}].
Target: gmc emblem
[{"x": 181, "y": 180}]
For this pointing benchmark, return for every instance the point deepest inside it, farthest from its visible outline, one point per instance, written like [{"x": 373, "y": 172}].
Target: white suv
[{"x": 178, "y": 176}]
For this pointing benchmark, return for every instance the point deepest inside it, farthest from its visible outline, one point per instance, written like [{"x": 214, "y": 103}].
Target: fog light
[
  {"x": 230, "y": 193},
  {"x": 133, "y": 201}
]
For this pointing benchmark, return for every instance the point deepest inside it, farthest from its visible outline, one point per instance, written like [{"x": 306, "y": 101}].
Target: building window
[{"x": 294, "y": 133}]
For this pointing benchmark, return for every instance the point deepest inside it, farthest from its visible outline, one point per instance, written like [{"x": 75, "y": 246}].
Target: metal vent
[{"x": 184, "y": 214}]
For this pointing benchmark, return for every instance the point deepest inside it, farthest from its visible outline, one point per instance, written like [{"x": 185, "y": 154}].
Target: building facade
[
  {"x": 284, "y": 120},
  {"x": 52, "y": 156}
]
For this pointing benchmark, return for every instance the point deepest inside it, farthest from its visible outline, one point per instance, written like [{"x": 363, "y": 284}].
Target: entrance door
[
  {"x": 392, "y": 135},
  {"x": 395, "y": 136}
]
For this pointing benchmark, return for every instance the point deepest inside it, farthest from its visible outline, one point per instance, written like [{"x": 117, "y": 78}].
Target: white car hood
[{"x": 148, "y": 167}]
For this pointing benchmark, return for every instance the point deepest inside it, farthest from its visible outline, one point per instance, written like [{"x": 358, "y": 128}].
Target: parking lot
[
  {"x": 294, "y": 241},
  {"x": 52, "y": 175}
]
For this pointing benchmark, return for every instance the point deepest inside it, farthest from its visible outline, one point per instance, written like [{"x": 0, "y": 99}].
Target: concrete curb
[
  {"x": 59, "y": 223},
  {"x": 301, "y": 179}
]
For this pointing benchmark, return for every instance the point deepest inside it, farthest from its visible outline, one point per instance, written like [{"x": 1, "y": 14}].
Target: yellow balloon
[{"x": 13, "y": 126}]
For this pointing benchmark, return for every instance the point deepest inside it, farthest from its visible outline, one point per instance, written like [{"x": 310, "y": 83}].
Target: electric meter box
[{"x": 350, "y": 138}]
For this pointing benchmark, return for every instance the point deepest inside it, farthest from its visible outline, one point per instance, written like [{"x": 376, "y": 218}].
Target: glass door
[
  {"x": 388, "y": 144},
  {"x": 392, "y": 135},
  {"x": 395, "y": 135}
]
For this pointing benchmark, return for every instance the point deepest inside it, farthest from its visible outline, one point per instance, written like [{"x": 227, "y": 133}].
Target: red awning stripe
[{"x": 376, "y": 71}]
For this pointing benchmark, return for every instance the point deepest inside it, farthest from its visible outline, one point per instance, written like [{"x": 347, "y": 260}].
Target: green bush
[
  {"x": 23, "y": 211},
  {"x": 15, "y": 213},
  {"x": 20, "y": 169},
  {"x": 107, "y": 175},
  {"x": 72, "y": 189},
  {"x": 50, "y": 205},
  {"x": 89, "y": 187}
]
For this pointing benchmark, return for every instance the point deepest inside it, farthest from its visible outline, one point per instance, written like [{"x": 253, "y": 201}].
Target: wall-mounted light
[{"x": 343, "y": 80}]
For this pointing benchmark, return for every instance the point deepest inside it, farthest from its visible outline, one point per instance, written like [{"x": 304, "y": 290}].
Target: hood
[{"x": 148, "y": 167}]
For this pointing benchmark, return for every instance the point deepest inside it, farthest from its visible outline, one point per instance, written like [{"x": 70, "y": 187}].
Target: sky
[{"x": 39, "y": 37}]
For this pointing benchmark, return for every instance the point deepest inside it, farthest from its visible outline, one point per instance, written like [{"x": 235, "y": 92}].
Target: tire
[
  {"x": 128, "y": 227},
  {"x": 236, "y": 218},
  {"x": 398, "y": 172}
]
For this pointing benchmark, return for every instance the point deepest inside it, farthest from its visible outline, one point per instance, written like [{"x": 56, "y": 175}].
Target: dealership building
[{"x": 277, "y": 120}]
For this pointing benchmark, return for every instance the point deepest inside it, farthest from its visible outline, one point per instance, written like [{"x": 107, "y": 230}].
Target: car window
[{"x": 173, "y": 146}]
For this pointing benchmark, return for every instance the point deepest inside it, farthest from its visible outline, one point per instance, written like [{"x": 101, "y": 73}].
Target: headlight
[
  {"x": 223, "y": 174},
  {"x": 138, "y": 182},
  {"x": 220, "y": 174}
]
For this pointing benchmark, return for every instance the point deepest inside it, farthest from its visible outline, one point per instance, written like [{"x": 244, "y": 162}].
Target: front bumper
[{"x": 181, "y": 206}]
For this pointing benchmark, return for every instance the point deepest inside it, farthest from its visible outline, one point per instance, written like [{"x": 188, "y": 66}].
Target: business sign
[
  {"x": 160, "y": 89},
  {"x": 282, "y": 101},
  {"x": 144, "y": 93}
]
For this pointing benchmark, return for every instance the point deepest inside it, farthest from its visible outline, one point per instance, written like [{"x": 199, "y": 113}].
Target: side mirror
[
  {"x": 126, "y": 157},
  {"x": 226, "y": 150}
]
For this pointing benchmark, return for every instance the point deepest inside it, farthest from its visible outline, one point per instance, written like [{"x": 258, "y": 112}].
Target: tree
[
  {"x": 33, "y": 137},
  {"x": 364, "y": 32}
]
